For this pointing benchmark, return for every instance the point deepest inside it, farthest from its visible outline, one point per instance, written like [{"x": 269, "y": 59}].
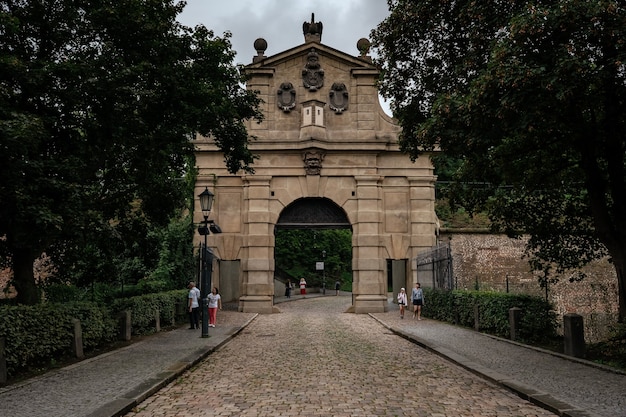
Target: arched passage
[
  {"x": 313, "y": 213},
  {"x": 313, "y": 240}
]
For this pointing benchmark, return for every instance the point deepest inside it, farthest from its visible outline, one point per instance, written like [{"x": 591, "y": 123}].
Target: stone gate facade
[{"x": 325, "y": 138}]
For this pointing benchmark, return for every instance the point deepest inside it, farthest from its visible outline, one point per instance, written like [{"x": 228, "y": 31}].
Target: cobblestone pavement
[
  {"x": 312, "y": 360},
  {"x": 553, "y": 379}
]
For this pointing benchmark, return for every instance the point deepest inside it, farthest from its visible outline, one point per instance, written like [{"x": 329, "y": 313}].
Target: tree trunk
[
  {"x": 24, "y": 277},
  {"x": 620, "y": 269}
]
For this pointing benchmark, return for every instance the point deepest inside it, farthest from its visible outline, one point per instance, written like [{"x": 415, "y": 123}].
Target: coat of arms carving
[
  {"x": 313, "y": 74},
  {"x": 286, "y": 97},
  {"x": 338, "y": 97}
]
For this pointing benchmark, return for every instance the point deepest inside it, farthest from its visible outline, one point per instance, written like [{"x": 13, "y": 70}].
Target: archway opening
[{"x": 313, "y": 240}]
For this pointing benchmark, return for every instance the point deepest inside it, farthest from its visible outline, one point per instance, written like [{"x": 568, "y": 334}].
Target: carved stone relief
[
  {"x": 312, "y": 30},
  {"x": 313, "y": 162},
  {"x": 338, "y": 97},
  {"x": 313, "y": 74},
  {"x": 286, "y": 97}
]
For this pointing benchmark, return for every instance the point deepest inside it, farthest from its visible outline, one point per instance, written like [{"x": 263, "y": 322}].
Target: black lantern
[{"x": 206, "y": 201}]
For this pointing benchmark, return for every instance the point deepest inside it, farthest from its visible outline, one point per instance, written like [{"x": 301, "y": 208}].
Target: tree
[
  {"x": 531, "y": 97},
  {"x": 98, "y": 102},
  {"x": 298, "y": 250}
]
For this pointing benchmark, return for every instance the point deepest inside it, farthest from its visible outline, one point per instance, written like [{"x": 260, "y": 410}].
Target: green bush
[
  {"x": 61, "y": 293},
  {"x": 38, "y": 336},
  {"x": 143, "y": 308},
  {"x": 611, "y": 352},
  {"x": 537, "y": 324}
]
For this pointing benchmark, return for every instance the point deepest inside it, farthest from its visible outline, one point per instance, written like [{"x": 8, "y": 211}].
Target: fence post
[
  {"x": 181, "y": 309},
  {"x": 515, "y": 315},
  {"x": 477, "y": 317},
  {"x": 457, "y": 314},
  {"x": 3, "y": 361},
  {"x": 157, "y": 319},
  {"x": 125, "y": 325},
  {"x": 573, "y": 335},
  {"x": 77, "y": 345}
]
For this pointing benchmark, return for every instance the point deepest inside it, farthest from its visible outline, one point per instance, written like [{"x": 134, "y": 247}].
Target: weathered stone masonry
[{"x": 326, "y": 137}]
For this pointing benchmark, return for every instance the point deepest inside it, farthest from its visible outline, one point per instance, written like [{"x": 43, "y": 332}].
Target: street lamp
[{"x": 206, "y": 202}]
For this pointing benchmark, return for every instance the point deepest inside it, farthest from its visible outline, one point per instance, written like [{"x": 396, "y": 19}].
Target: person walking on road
[
  {"x": 194, "y": 306},
  {"x": 337, "y": 285},
  {"x": 402, "y": 301},
  {"x": 302, "y": 286},
  {"x": 288, "y": 288},
  {"x": 215, "y": 302},
  {"x": 417, "y": 295}
]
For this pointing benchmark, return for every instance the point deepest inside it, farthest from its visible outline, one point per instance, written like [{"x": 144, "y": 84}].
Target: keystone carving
[{"x": 313, "y": 162}]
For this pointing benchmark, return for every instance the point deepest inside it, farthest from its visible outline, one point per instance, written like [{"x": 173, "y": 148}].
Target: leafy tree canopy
[
  {"x": 531, "y": 97},
  {"x": 298, "y": 250},
  {"x": 98, "y": 102}
]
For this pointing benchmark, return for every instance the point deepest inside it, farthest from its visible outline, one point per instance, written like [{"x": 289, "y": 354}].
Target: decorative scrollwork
[
  {"x": 338, "y": 97},
  {"x": 286, "y": 97}
]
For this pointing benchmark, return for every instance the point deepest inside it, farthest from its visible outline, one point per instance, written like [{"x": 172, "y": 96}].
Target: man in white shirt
[{"x": 194, "y": 306}]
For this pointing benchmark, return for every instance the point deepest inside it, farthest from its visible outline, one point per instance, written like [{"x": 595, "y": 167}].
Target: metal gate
[{"x": 434, "y": 266}]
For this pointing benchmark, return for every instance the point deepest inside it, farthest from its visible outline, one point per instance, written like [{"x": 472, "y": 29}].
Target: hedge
[
  {"x": 538, "y": 320},
  {"x": 38, "y": 336},
  {"x": 144, "y": 306}
]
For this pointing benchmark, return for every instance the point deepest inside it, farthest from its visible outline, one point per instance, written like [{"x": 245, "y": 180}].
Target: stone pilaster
[
  {"x": 368, "y": 265},
  {"x": 258, "y": 247}
]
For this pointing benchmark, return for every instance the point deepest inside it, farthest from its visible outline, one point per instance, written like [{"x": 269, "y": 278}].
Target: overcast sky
[{"x": 279, "y": 22}]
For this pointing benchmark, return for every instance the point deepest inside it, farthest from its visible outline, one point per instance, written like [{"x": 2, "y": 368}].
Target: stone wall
[{"x": 490, "y": 262}]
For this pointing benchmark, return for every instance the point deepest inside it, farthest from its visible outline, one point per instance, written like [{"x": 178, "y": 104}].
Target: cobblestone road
[{"x": 312, "y": 360}]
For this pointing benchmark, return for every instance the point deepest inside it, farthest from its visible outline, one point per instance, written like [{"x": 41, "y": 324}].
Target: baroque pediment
[{"x": 314, "y": 94}]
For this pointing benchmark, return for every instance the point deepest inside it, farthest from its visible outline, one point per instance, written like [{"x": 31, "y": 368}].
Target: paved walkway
[
  {"x": 565, "y": 385},
  {"x": 112, "y": 383},
  {"x": 313, "y": 360}
]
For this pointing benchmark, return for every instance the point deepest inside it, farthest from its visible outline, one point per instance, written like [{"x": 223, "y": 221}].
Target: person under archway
[
  {"x": 302, "y": 286},
  {"x": 402, "y": 301}
]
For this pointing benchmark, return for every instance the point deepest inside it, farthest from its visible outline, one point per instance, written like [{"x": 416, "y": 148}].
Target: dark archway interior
[
  {"x": 313, "y": 213},
  {"x": 314, "y": 232}
]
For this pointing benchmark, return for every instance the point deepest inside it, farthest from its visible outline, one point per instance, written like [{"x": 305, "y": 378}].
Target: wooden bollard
[
  {"x": 3, "y": 361},
  {"x": 515, "y": 316},
  {"x": 477, "y": 317},
  {"x": 573, "y": 335},
  {"x": 77, "y": 346},
  {"x": 125, "y": 325}
]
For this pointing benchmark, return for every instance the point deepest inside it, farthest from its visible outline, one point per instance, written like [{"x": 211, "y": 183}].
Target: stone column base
[
  {"x": 262, "y": 304},
  {"x": 364, "y": 304}
]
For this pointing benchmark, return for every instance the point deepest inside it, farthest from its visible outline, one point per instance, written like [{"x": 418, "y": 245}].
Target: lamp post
[{"x": 206, "y": 202}]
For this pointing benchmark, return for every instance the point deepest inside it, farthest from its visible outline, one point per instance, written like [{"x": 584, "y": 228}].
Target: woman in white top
[
  {"x": 302, "y": 286},
  {"x": 215, "y": 302},
  {"x": 402, "y": 301}
]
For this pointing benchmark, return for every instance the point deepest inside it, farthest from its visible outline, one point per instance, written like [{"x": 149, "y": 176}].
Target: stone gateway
[{"x": 328, "y": 155}]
